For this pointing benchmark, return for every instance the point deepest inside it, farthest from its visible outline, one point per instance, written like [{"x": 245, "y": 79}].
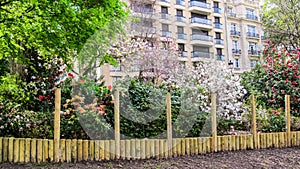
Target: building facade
[{"x": 224, "y": 30}]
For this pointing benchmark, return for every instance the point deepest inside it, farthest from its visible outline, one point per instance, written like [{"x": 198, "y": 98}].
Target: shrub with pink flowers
[{"x": 278, "y": 76}]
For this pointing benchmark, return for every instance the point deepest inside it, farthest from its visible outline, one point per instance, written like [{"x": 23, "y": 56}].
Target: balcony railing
[
  {"x": 200, "y": 4},
  {"x": 201, "y": 54},
  {"x": 254, "y": 52},
  {"x": 165, "y": 16},
  {"x": 218, "y": 25},
  {"x": 182, "y": 53},
  {"x": 217, "y": 10},
  {"x": 220, "y": 57},
  {"x": 236, "y": 51},
  {"x": 232, "y": 14},
  {"x": 181, "y": 19},
  {"x": 252, "y": 34},
  {"x": 202, "y": 37},
  {"x": 166, "y": 33},
  {"x": 201, "y": 20},
  {"x": 219, "y": 41},
  {"x": 180, "y": 2},
  {"x": 235, "y": 33},
  {"x": 142, "y": 10},
  {"x": 167, "y": 1},
  {"x": 181, "y": 36},
  {"x": 252, "y": 17}
]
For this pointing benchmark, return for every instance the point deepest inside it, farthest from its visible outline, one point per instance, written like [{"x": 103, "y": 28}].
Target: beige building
[{"x": 224, "y": 30}]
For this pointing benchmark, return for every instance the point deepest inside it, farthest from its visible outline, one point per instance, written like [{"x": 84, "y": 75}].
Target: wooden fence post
[
  {"x": 254, "y": 131},
  {"x": 288, "y": 120},
  {"x": 169, "y": 124},
  {"x": 57, "y": 124},
  {"x": 117, "y": 123},
  {"x": 214, "y": 121}
]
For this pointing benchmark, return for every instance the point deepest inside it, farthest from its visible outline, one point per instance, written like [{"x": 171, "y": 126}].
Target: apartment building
[{"x": 227, "y": 31}]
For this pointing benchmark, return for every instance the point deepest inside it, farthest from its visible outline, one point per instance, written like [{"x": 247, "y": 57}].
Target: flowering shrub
[{"x": 277, "y": 77}]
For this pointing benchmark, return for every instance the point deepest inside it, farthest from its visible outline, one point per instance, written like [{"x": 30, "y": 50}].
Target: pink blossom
[
  {"x": 271, "y": 101},
  {"x": 286, "y": 80},
  {"x": 294, "y": 83},
  {"x": 273, "y": 88},
  {"x": 268, "y": 41}
]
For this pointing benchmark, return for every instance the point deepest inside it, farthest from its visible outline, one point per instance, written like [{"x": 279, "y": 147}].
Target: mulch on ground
[{"x": 258, "y": 159}]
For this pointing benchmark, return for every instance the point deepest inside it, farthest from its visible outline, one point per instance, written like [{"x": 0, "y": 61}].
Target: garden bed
[{"x": 263, "y": 158}]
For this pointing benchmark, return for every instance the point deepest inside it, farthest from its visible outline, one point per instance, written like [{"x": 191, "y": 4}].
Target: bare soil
[{"x": 258, "y": 159}]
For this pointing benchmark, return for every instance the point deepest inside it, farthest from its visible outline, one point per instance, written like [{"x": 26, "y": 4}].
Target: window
[
  {"x": 164, "y": 10},
  {"x": 165, "y": 27},
  {"x": 218, "y": 35},
  {"x": 217, "y": 20},
  {"x": 199, "y": 31},
  {"x": 249, "y": 11},
  {"x": 180, "y": 29},
  {"x": 253, "y": 63},
  {"x": 179, "y": 12},
  {"x": 236, "y": 63},
  {"x": 216, "y": 4},
  {"x": 219, "y": 51},
  {"x": 116, "y": 69},
  {"x": 235, "y": 45},
  {"x": 181, "y": 47},
  {"x": 229, "y": 10},
  {"x": 199, "y": 16},
  {"x": 147, "y": 23},
  {"x": 116, "y": 78},
  {"x": 252, "y": 46},
  {"x": 251, "y": 29},
  {"x": 233, "y": 27},
  {"x": 201, "y": 49}
]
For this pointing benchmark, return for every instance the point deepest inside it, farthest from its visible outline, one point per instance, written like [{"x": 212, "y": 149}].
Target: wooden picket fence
[
  {"x": 20, "y": 150},
  {"x": 26, "y": 150}
]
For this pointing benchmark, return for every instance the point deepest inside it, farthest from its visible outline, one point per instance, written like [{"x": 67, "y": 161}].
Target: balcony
[
  {"x": 251, "y": 17},
  {"x": 236, "y": 51},
  {"x": 219, "y": 41},
  {"x": 254, "y": 52},
  {"x": 231, "y": 14},
  {"x": 181, "y": 36},
  {"x": 164, "y": 3},
  {"x": 204, "y": 40},
  {"x": 235, "y": 33},
  {"x": 181, "y": 19},
  {"x": 218, "y": 25},
  {"x": 183, "y": 54},
  {"x": 196, "y": 6},
  {"x": 201, "y": 22},
  {"x": 252, "y": 35},
  {"x": 165, "y": 16},
  {"x": 201, "y": 54},
  {"x": 180, "y": 2},
  {"x": 165, "y": 33},
  {"x": 218, "y": 10},
  {"x": 220, "y": 57}
]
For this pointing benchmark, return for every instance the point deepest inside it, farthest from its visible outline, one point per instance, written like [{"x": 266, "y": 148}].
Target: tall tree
[
  {"x": 53, "y": 28},
  {"x": 282, "y": 22}
]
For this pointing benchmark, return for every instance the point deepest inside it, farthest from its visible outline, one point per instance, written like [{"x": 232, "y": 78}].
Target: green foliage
[{"x": 272, "y": 121}]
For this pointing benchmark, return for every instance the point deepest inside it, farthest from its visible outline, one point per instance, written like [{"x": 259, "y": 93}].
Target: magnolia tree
[{"x": 277, "y": 77}]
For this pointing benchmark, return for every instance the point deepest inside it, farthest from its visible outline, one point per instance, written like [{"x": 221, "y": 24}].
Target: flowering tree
[{"x": 277, "y": 77}]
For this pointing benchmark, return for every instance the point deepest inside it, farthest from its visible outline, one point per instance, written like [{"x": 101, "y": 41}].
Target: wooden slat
[
  {"x": 22, "y": 150},
  {"x": 208, "y": 144},
  {"x": 156, "y": 149},
  {"x": 79, "y": 150},
  {"x": 10, "y": 149},
  {"x": 294, "y": 138},
  {"x": 102, "y": 149},
  {"x": 288, "y": 121},
  {"x": 196, "y": 148},
  {"x": 204, "y": 140},
  {"x": 33, "y": 151},
  {"x": 132, "y": 149},
  {"x": 192, "y": 146},
  {"x": 51, "y": 150},
  {"x": 5, "y": 149},
  {"x": 253, "y": 127},
  {"x": 39, "y": 150},
  {"x": 74, "y": 150},
  {"x": 161, "y": 148},
  {"x": 143, "y": 149},
  {"x": 237, "y": 142},
  {"x": 187, "y": 146},
  {"x": 97, "y": 150},
  {"x": 68, "y": 151},
  {"x": 138, "y": 149},
  {"x": 169, "y": 126},
  {"x": 62, "y": 150},
  {"x": 174, "y": 152},
  {"x": 148, "y": 148},
  {"x": 117, "y": 124},
  {"x": 166, "y": 149},
  {"x": 298, "y": 138},
  {"x": 1, "y": 149},
  {"x": 219, "y": 143},
  {"x": 106, "y": 150},
  {"x": 152, "y": 148},
  {"x": 16, "y": 149},
  {"x": 128, "y": 149},
  {"x": 57, "y": 124},
  {"x": 122, "y": 150},
  {"x": 178, "y": 146},
  {"x": 112, "y": 149},
  {"x": 200, "y": 145},
  {"x": 85, "y": 150},
  {"x": 45, "y": 150}
]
